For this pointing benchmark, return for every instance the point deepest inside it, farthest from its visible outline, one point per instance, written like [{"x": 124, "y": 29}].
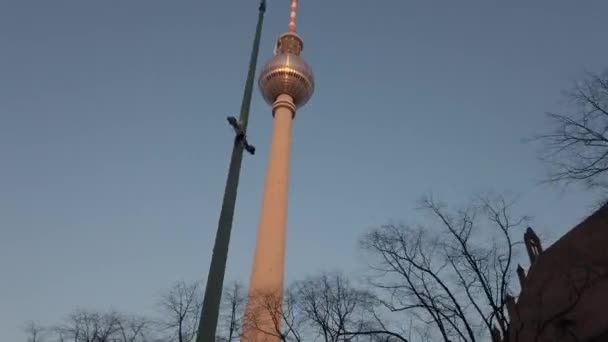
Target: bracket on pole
[{"x": 241, "y": 137}]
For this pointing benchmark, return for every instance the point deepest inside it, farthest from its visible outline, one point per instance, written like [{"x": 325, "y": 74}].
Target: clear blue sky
[{"x": 114, "y": 145}]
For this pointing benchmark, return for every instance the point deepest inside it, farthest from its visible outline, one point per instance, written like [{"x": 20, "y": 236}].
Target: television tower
[
  {"x": 286, "y": 83},
  {"x": 215, "y": 279}
]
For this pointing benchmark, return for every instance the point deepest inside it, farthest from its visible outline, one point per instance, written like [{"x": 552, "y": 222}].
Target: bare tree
[
  {"x": 132, "y": 329},
  {"x": 90, "y": 326},
  {"x": 335, "y": 310},
  {"x": 179, "y": 310},
  {"x": 177, "y": 321},
  {"x": 231, "y": 313},
  {"x": 577, "y": 147},
  {"x": 329, "y": 303},
  {"x": 455, "y": 277},
  {"x": 323, "y": 308},
  {"x": 274, "y": 316},
  {"x": 34, "y": 332}
]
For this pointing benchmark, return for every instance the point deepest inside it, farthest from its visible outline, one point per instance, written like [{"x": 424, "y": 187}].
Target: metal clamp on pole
[{"x": 241, "y": 137}]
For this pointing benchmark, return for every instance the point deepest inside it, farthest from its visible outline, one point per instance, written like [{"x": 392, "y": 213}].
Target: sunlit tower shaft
[
  {"x": 215, "y": 279},
  {"x": 286, "y": 83}
]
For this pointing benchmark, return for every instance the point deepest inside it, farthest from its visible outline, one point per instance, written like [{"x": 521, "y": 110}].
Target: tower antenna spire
[{"x": 292, "y": 16}]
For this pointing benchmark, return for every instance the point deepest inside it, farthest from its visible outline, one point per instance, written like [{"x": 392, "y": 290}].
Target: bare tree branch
[
  {"x": 442, "y": 273},
  {"x": 35, "y": 332},
  {"x": 233, "y": 305},
  {"x": 179, "y": 309},
  {"x": 577, "y": 147},
  {"x": 273, "y": 315},
  {"x": 90, "y": 326}
]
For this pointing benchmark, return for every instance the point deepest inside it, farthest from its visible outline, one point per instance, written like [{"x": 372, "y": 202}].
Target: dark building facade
[{"x": 564, "y": 294}]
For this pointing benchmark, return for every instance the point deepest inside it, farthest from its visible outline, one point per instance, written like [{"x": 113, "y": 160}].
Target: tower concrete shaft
[{"x": 266, "y": 283}]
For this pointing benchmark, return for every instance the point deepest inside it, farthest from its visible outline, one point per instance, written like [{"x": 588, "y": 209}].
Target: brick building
[{"x": 564, "y": 294}]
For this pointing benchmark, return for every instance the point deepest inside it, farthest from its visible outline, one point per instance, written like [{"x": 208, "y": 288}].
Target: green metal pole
[{"x": 215, "y": 280}]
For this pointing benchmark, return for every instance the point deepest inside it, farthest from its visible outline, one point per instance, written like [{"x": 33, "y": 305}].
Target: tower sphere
[{"x": 287, "y": 74}]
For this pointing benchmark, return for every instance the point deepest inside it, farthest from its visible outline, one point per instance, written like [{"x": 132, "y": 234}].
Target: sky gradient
[{"x": 114, "y": 146}]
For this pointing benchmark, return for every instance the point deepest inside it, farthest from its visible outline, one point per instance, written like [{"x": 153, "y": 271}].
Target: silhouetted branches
[
  {"x": 179, "y": 310},
  {"x": 323, "y": 308},
  {"x": 91, "y": 326},
  {"x": 337, "y": 311},
  {"x": 441, "y": 274},
  {"x": 273, "y": 315},
  {"x": 577, "y": 147},
  {"x": 34, "y": 332},
  {"x": 231, "y": 313}
]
